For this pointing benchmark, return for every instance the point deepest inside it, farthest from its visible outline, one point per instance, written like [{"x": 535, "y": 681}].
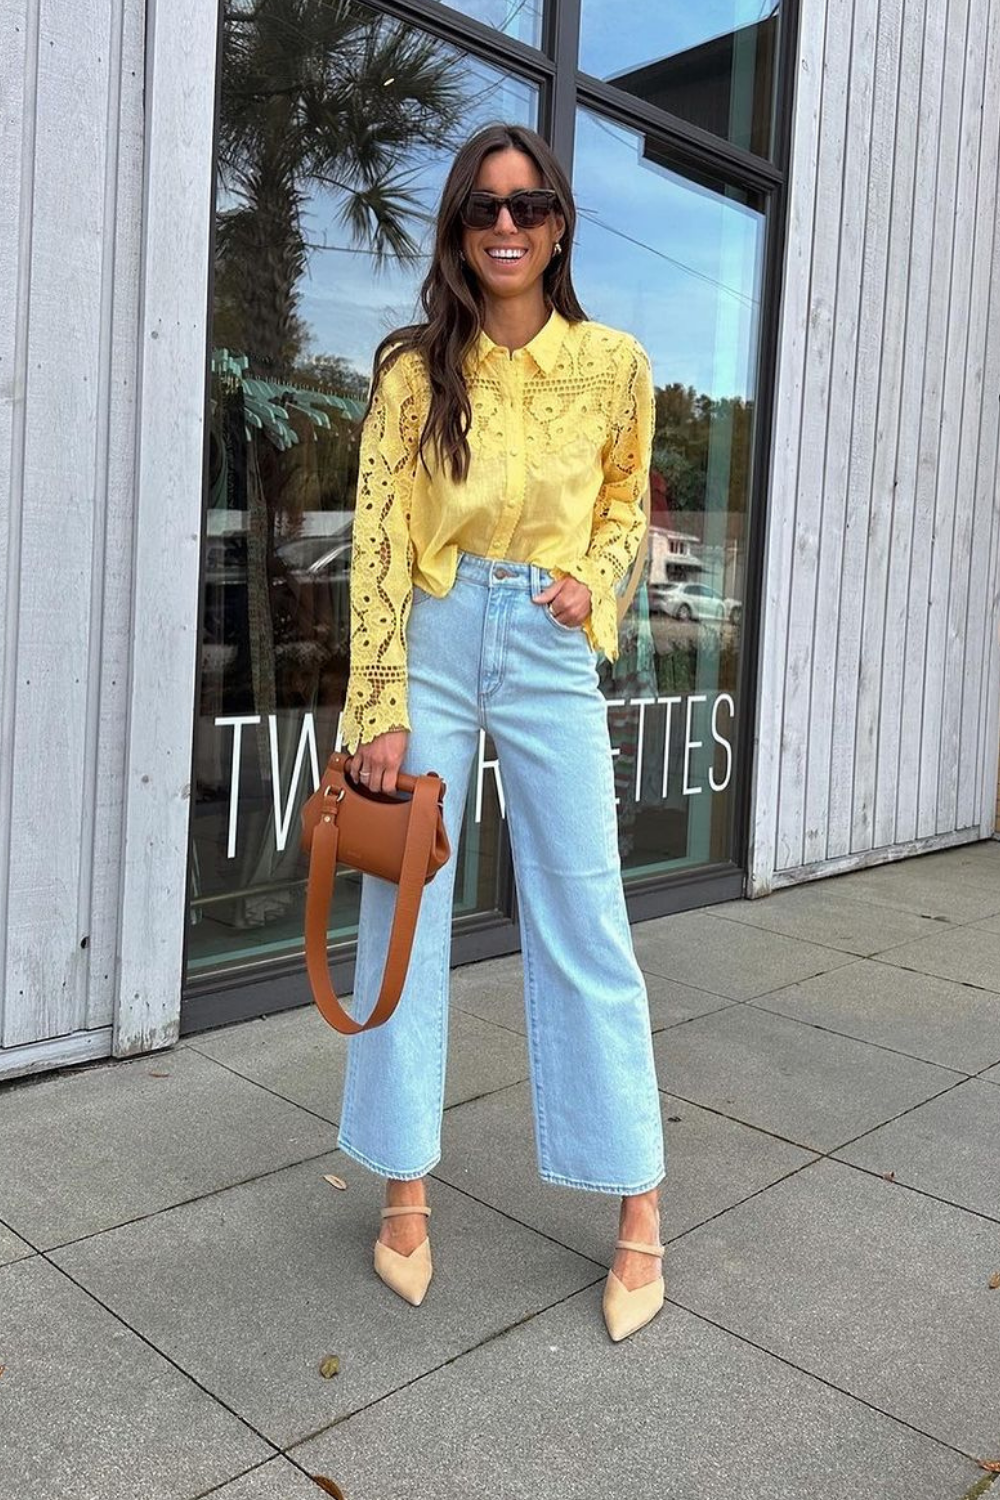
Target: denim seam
[
  {"x": 621, "y": 1190},
  {"x": 379, "y": 1167},
  {"x": 444, "y": 994},
  {"x": 504, "y": 604},
  {"x": 531, "y": 991}
]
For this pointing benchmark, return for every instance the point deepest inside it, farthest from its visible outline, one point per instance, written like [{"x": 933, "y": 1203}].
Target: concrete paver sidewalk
[{"x": 173, "y": 1266}]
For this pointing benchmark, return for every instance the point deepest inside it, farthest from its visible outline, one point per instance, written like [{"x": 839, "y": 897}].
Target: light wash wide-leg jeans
[{"x": 486, "y": 657}]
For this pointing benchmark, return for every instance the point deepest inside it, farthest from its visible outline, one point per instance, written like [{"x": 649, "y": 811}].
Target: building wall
[
  {"x": 878, "y": 718},
  {"x": 70, "y": 199},
  {"x": 105, "y": 165}
]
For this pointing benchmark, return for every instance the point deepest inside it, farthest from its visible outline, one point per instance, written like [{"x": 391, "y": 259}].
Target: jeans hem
[
  {"x": 379, "y": 1168},
  {"x": 619, "y": 1189}
]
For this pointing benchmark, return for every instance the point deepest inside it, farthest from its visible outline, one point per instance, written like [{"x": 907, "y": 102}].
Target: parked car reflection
[{"x": 693, "y": 601}]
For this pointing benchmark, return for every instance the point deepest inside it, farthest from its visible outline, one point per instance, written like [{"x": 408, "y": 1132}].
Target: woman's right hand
[{"x": 377, "y": 764}]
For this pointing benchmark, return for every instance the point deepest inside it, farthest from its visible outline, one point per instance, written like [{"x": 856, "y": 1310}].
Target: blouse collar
[{"x": 543, "y": 348}]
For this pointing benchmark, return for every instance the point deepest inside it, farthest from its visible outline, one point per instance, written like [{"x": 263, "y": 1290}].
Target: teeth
[{"x": 506, "y": 254}]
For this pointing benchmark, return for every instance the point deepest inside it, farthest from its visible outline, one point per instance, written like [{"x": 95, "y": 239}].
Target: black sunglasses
[{"x": 528, "y": 207}]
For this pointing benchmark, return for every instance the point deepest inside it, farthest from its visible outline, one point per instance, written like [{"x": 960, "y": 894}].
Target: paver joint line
[
  {"x": 848, "y": 1036},
  {"x": 483, "y": 1343},
  {"x": 822, "y": 1380},
  {"x": 753, "y": 1248},
  {"x": 144, "y": 1339}
]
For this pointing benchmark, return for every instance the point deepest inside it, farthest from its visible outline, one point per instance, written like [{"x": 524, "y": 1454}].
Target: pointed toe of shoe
[
  {"x": 407, "y": 1275},
  {"x": 625, "y": 1312}
]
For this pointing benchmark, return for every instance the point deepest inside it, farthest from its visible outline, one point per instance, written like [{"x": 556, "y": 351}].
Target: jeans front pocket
[{"x": 567, "y": 629}]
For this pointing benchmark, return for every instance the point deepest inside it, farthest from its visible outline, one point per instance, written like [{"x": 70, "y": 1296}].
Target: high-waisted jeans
[{"x": 486, "y": 657}]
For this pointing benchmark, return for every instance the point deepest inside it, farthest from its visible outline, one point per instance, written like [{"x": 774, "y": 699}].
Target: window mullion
[{"x": 563, "y": 46}]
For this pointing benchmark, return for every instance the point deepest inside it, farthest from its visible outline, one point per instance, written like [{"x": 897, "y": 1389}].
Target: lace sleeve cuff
[
  {"x": 601, "y": 625},
  {"x": 376, "y": 703}
]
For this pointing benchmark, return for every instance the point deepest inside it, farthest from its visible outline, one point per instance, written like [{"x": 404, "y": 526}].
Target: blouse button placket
[{"x": 512, "y": 378}]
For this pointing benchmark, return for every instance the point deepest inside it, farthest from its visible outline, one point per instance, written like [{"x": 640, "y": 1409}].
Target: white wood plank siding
[
  {"x": 879, "y": 705},
  {"x": 70, "y": 205},
  {"x": 180, "y": 111}
]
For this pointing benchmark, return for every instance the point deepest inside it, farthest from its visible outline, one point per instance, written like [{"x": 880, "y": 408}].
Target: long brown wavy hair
[{"x": 453, "y": 301}]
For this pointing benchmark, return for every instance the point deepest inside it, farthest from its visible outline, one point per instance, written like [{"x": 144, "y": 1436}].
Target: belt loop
[{"x": 535, "y": 580}]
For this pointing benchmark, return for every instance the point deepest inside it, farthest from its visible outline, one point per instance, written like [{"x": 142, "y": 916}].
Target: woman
[{"x": 503, "y": 463}]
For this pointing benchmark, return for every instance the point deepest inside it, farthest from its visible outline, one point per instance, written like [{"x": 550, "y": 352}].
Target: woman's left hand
[{"x": 567, "y": 600}]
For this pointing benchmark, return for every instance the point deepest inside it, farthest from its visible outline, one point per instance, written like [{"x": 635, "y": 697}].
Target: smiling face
[{"x": 509, "y": 262}]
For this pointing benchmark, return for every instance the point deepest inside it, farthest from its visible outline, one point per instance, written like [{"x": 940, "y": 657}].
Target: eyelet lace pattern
[{"x": 560, "y": 439}]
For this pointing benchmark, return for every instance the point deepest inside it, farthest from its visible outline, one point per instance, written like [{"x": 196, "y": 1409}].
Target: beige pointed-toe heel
[
  {"x": 407, "y": 1275},
  {"x": 625, "y": 1311}
]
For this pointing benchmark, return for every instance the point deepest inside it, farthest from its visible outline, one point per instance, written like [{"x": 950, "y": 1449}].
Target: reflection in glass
[
  {"x": 337, "y": 126},
  {"x": 520, "y": 19},
  {"x": 677, "y": 261},
  {"x": 714, "y": 64}
]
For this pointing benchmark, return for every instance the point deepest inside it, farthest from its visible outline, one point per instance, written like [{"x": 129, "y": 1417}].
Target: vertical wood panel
[
  {"x": 988, "y": 743},
  {"x": 889, "y": 351},
  {"x": 17, "y": 68},
  {"x": 797, "y": 748},
  {"x": 71, "y": 80},
  {"x": 46, "y": 966},
  {"x": 784, "y": 471},
  {"x": 914, "y": 276},
  {"x": 977, "y": 477},
  {"x": 851, "y": 439},
  {"x": 108, "y": 708},
  {"x": 914, "y": 753},
  {"x": 946, "y": 615},
  {"x": 876, "y": 745},
  {"x": 180, "y": 112}
]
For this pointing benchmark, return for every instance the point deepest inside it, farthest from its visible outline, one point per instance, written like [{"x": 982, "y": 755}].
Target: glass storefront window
[
  {"x": 677, "y": 260},
  {"x": 520, "y": 19},
  {"x": 335, "y": 138},
  {"x": 713, "y": 64}
]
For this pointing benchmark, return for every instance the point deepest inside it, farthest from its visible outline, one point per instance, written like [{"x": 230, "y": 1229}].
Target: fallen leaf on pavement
[
  {"x": 159, "y": 1075},
  {"x": 995, "y": 1281},
  {"x": 337, "y": 1182},
  {"x": 328, "y": 1485},
  {"x": 991, "y": 1465},
  {"x": 888, "y": 1176},
  {"x": 329, "y": 1366}
]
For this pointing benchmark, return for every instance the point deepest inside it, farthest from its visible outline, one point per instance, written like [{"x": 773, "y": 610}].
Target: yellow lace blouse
[{"x": 560, "y": 450}]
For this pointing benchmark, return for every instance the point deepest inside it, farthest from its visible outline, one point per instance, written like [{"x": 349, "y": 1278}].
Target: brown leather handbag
[{"x": 401, "y": 839}]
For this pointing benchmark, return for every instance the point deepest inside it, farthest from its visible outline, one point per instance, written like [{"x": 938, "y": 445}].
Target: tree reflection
[
  {"x": 325, "y": 108},
  {"x": 318, "y": 96}
]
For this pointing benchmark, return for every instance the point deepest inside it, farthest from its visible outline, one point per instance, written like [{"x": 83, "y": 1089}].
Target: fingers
[
  {"x": 567, "y": 600},
  {"x": 549, "y": 593},
  {"x": 376, "y": 765}
]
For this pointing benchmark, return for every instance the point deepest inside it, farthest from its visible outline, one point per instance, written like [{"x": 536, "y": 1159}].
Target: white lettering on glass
[
  {"x": 666, "y": 742},
  {"x": 690, "y": 744},
  {"x": 482, "y": 766},
  {"x": 286, "y": 803},
  {"x": 640, "y": 732},
  {"x": 720, "y": 739},
  {"x": 307, "y": 740},
  {"x": 234, "y": 778},
  {"x": 615, "y": 749}
]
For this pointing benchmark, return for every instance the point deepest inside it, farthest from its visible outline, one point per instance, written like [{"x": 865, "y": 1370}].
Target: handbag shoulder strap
[
  {"x": 319, "y": 894},
  {"x": 628, "y": 593}
]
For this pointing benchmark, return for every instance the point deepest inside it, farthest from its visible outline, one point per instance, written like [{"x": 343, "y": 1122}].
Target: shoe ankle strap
[
  {"x": 637, "y": 1245},
  {"x": 406, "y": 1208}
]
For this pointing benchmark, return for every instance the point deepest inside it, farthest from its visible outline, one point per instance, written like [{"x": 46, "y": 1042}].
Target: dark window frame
[{"x": 265, "y": 986}]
